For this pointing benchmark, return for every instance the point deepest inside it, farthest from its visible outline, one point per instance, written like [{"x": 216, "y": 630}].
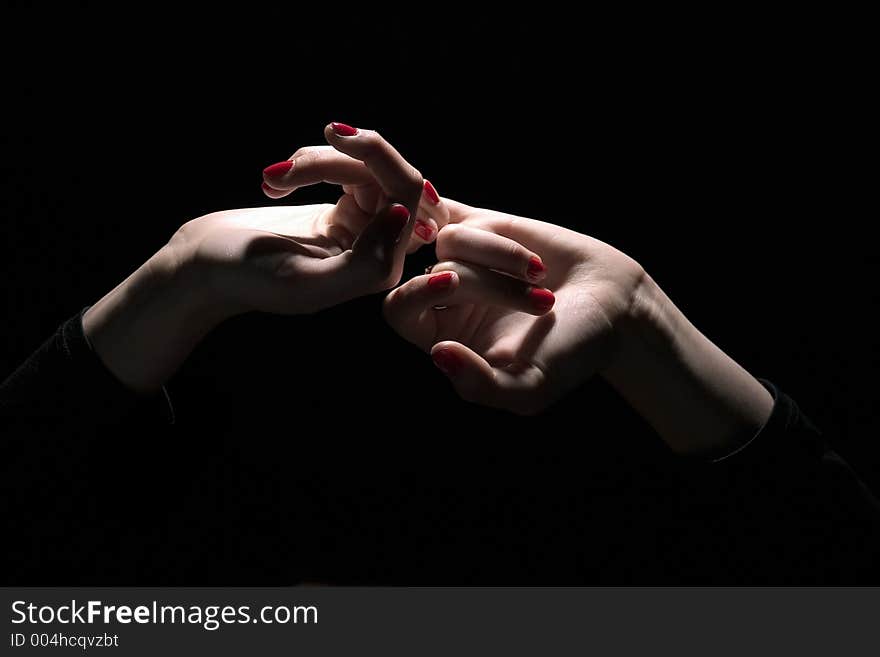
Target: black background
[{"x": 722, "y": 152}]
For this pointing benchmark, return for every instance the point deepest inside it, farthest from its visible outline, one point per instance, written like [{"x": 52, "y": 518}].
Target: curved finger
[
  {"x": 482, "y": 286},
  {"x": 433, "y": 205},
  {"x": 455, "y": 283},
  {"x": 315, "y": 164},
  {"x": 374, "y": 263},
  {"x": 481, "y": 247},
  {"x": 408, "y": 308},
  {"x": 399, "y": 180},
  {"x": 475, "y": 380}
]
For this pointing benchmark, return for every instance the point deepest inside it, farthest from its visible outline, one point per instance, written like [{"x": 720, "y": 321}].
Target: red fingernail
[
  {"x": 431, "y": 193},
  {"x": 542, "y": 299},
  {"x": 536, "y": 268},
  {"x": 343, "y": 130},
  {"x": 398, "y": 216},
  {"x": 278, "y": 169},
  {"x": 447, "y": 362},
  {"x": 424, "y": 231},
  {"x": 266, "y": 188},
  {"x": 440, "y": 281}
]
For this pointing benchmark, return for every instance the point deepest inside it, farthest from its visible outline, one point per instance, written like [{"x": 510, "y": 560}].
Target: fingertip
[
  {"x": 278, "y": 169},
  {"x": 337, "y": 129},
  {"x": 535, "y": 269},
  {"x": 541, "y": 299},
  {"x": 431, "y": 192},
  {"x": 425, "y": 230},
  {"x": 442, "y": 282},
  {"x": 271, "y": 192},
  {"x": 447, "y": 359}
]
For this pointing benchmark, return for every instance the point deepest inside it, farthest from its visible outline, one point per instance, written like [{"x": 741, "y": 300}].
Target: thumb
[
  {"x": 518, "y": 389},
  {"x": 381, "y": 247},
  {"x": 472, "y": 377}
]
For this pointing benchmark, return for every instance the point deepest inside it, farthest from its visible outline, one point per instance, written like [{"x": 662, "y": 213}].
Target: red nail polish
[
  {"x": 424, "y": 231},
  {"x": 399, "y": 212},
  {"x": 431, "y": 193},
  {"x": 266, "y": 188},
  {"x": 344, "y": 130},
  {"x": 440, "y": 281},
  {"x": 278, "y": 169},
  {"x": 447, "y": 362},
  {"x": 398, "y": 215},
  {"x": 542, "y": 299},
  {"x": 536, "y": 268}
]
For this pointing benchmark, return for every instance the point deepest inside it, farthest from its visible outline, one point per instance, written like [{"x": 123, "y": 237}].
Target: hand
[
  {"x": 370, "y": 172},
  {"x": 282, "y": 260},
  {"x": 298, "y": 259},
  {"x": 496, "y": 341}
]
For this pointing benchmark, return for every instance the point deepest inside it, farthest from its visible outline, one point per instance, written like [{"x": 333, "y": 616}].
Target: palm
[
  {"x": 261, "y": 257},
  {"x": 536, "y": 359}
]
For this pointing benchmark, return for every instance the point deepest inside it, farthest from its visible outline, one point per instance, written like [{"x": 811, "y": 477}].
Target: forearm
[
  {"x": 694, "y": 395},
  {"x": 146, "y": 327}
]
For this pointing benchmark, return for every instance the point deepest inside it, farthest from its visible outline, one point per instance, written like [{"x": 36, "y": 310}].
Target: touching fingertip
[
  {"x": 424, "y": 230},
  {"x": 536, "y": 268},
  {"x": 431, "y": 193},
  {"x": 542, "y": 299},
  {"x": 442, "y": 281},
  {"x": 447, "y": 361}
]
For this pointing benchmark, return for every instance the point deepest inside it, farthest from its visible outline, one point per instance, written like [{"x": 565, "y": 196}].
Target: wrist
[
  {"x": 694, "y": 395},
  {"x": 145, "y": 327}
]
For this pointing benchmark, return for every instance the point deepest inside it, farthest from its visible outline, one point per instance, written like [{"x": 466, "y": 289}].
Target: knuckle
[
  {"x": 372, "y": 141},
  {"x": 448, "y": 240},
  {"x": 302, "y": 152},
  {"x": 414, "y": 178}
]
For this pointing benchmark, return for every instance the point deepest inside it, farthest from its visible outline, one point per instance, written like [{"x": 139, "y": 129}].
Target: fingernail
[
  {"x": 278, "y": 169},
  {"x": 536, "y": 268},
  {"x": 431, "y": 193},
  {"x": 266, "y": 188},
  {"x": 343, "y": 130},
  {"x": 447, "y": 362},
  {"x": 398, "y": 216},
  {"x": 441, "y": 281},
  {"x": 542, "y": 299},
  {"x": 424, "y": 231}
]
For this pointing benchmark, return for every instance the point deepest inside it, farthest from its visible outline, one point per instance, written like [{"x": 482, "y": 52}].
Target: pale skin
[{"x": 485, "y": 313}]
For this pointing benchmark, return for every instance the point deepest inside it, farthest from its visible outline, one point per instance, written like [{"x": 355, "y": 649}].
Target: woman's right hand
[{"x": 498, "y": 340}]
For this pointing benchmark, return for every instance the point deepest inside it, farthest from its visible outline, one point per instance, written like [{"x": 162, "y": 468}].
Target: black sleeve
[
  {"x": 61, "y": 411},
  {"x": 65, "y": 383},
  {"x": 784, "y": 508}
]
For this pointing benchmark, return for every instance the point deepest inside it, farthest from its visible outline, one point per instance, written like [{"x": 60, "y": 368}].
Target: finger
[
  {"x": 432, "y": 205},
  {"x": 452, "y": 284},
  {"x": 271, "y": 192},
  {"x": 315, "y": 164},
  {"x": 480, "y": 247},
  {"x": 399, "y": 180},
  {"x": 482, "y": 286},
  {"x": 408, "y": 309},
  {"x": 348, "y": 214},
  {"x": 424, "y": 232},
  {"x": 374, "y": 262},
  {"x": 513, "y": 388}
]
